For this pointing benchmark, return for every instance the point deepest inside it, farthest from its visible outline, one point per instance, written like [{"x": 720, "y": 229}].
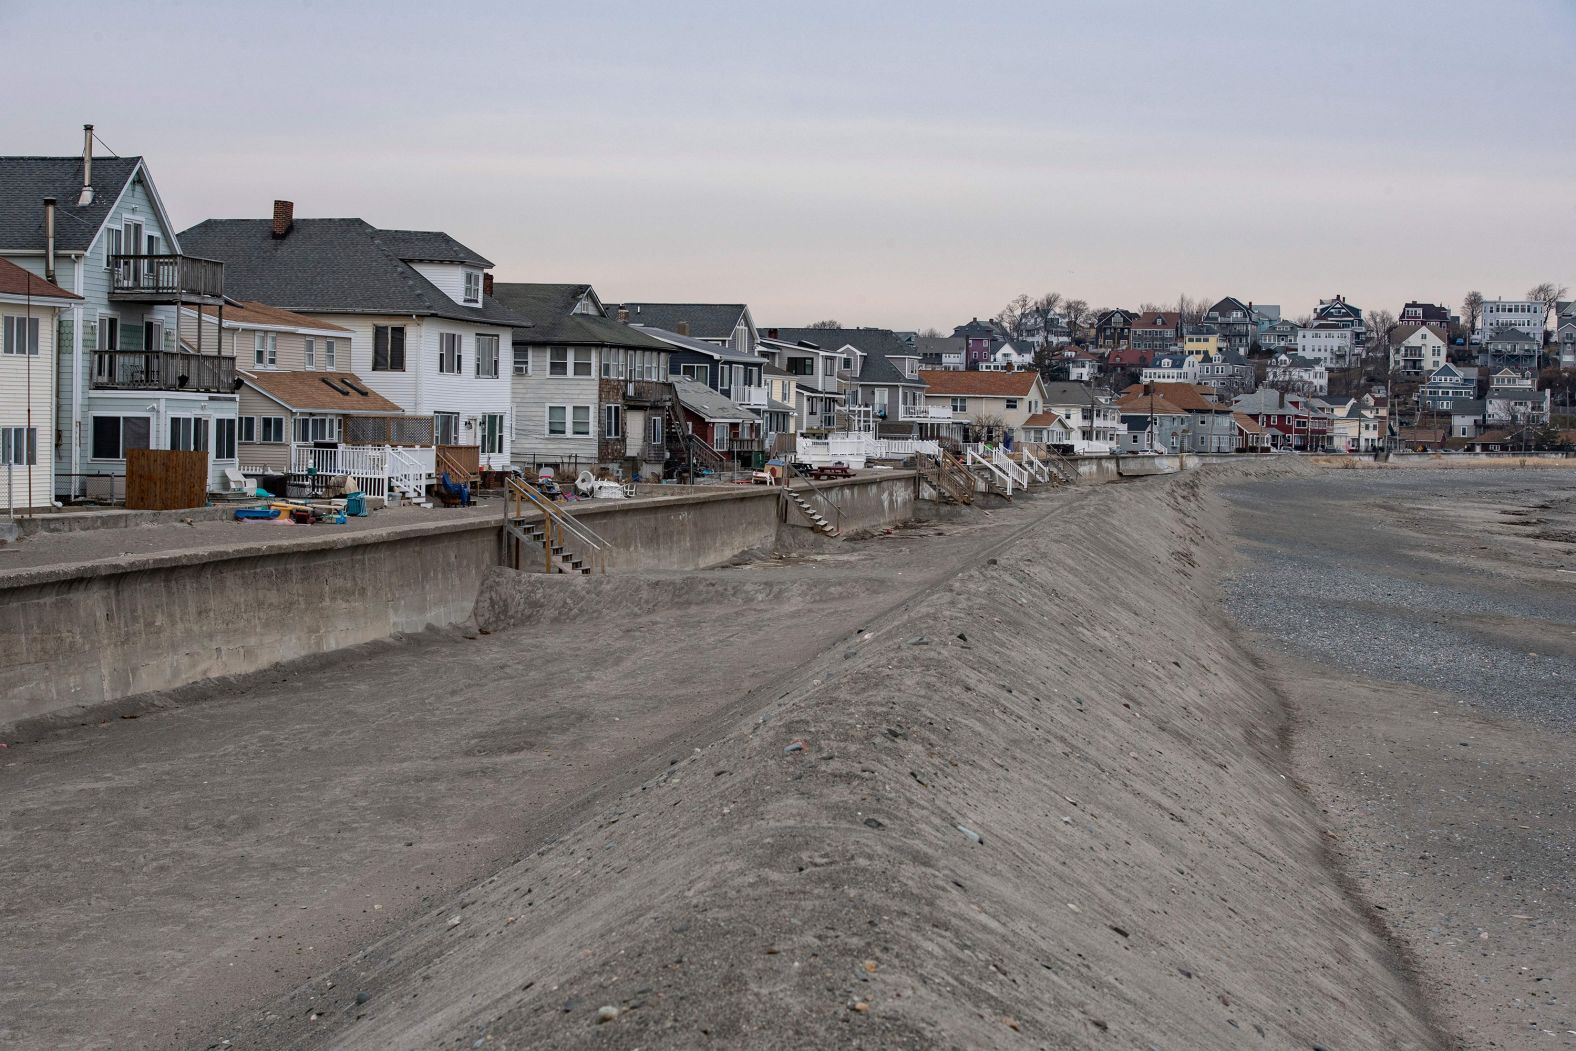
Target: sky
[{"x": 903, "y": 165}]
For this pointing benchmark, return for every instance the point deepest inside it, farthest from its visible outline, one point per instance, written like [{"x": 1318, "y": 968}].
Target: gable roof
[
  {"x": 1507, "y": 334},
  {"x": 1158, "y": 319},
  {"x": 311, "y": 391},
  {"x": 1067, "y": 392},
  {"x": 1229, "y": 305},
  {"x": 876, "y": 344},
  {"x": 551, "y": 307},
  {"x": 1046, "y": 419},
  {"x": 430, "y": 246},
  {"x": 333, "y": 266},
  {"x": 1148, "y": 405},
  {"x": 944, "y": 382},
  {"x": 1186, "y": 396},
  {"x": 1247, "y": 424},
  {"x": 705, "y": 320},
  {"x": 15, "y": 281},
  {"x": 26, "y": 181}
]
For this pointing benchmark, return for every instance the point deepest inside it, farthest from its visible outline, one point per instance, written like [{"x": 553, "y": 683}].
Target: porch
[
  {"x": 382, "y": 472},
  {"x": 162, "y": 370},
  {"x": 166, "y": 279}
]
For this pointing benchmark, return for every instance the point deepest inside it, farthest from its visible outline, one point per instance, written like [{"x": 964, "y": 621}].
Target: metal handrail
[{"x": 837, "y": 510}]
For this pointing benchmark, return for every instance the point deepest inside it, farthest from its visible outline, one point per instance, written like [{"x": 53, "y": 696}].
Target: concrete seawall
[{"x": 91, "y": 633}]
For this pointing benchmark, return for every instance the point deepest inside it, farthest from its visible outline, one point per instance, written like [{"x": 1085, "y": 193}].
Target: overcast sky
[{"x": 897, "y": 164}]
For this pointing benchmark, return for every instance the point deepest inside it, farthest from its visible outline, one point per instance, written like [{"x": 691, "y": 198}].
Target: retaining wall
[{"x": 91, "y": 633}]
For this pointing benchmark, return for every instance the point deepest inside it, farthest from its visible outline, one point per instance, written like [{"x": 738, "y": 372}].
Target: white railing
[
  {"x": 752, "y": 397},
  {"x": 971, "y": 458},
  {"x": 925, "y": 413},
  {"x": 849, "y": 450},
  {"x": 1034, "y": 465},
  {"x": 1014, "y": 470},
  {"x": 977, "y": 448},
  {"x": 903, "y": 448},
  {"x": 379, "y": 471}
]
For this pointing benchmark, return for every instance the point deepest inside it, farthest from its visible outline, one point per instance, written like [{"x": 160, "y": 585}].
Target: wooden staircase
[
  {"x": 953, "y": 483},
  {"x": 817, "y": 519},
  {"x": 532, "y": 520}
]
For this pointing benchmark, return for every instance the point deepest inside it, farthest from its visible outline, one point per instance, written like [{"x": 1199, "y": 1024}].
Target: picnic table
[{"x": 833, "y": 471}]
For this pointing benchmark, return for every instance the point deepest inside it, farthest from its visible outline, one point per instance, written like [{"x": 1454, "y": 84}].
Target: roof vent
[{"x": 86, "y": 197}]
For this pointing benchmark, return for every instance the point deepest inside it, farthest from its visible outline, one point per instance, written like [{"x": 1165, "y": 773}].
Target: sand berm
[{"x": 1043, "y": 805}]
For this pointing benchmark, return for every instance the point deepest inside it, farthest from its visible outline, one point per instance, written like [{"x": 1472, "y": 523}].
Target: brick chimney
[
  {"x": 682, "y": 328},
  {"x": 623, "y": 314},
  {"x": 284, "y": 217},
  {"x": 487, "y": 284}
]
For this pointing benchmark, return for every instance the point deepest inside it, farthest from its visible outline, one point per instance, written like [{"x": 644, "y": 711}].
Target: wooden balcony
[
  {"x": 647, "y": 392},
  {"x": 162, "y": 370},
  {"x": 166, "y": 279}
]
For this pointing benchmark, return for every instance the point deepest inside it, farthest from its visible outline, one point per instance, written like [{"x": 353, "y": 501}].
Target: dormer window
[{"x": 473, "y": 286}]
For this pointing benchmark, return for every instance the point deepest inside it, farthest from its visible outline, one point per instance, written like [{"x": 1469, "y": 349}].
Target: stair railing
[
  {"x": 1003, "y": 476},
  {"x": 837, "y": 510},
  {"x": 557, "y": 523}
]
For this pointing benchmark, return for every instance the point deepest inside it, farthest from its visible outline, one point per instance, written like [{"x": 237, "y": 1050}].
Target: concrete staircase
[{"x": 817, "y": 519}]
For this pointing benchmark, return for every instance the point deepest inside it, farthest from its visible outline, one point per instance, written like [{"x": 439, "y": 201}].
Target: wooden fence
[
  {"x": 165, "y": 479},
  {"x": 465, "y": 461}
]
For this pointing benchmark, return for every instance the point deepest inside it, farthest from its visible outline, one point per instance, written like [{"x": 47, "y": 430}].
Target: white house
[
  {"x": 1524, "y": 315},
  {"x": 30, "y": 308},
  {"x": 1416, "y": 351},
  {"x": 97, "y": 227},
  {"x": 425, "y": 331},
  {"x": 1330, "y": 343},
  {"x": 1172, "y": 368},
  {"x": 1297, "y": 374}
]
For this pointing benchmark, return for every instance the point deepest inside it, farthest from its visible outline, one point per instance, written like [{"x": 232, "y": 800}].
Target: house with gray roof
[
  {"x": 426, "y": 331},
  {"x": 883, "y": 372},
  {"x": 728, "y": 428},
  {"x": 725, "y": 324},
  {"x": 585, "y": 389},
  {"x": 1510, "y": 347},
  {"x": 97, "y": 227}
]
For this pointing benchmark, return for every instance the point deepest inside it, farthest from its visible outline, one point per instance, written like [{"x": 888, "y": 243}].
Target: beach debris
[
  {"x": 796, "y": 745},
  {"x": 971, "y": 835},
  {"x": 606, "y": 1013}
]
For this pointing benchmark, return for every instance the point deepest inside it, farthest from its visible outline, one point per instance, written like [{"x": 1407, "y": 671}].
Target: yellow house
[{"x": 1198, "y": 344}]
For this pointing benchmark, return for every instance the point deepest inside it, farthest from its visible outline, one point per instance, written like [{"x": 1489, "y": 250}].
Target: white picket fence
[{"x": 381, "y": 471}]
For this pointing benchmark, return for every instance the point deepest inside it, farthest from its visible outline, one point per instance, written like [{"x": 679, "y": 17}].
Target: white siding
[
  {"x": 534, "y": 393},
  {"x": 449, "y": 278},
  {"x": 20, "y": 375}
]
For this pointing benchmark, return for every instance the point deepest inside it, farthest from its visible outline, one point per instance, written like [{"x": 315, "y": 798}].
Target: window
[
  {"x": 21, "y": 335},
  {"x": 113, "y": 435},
  {"x": 224, "y": 439},
  {"x": 698, "y": 373},
  {"x": 265, "y": 349},
  {"x": 19, "y": 446},
  {"x": 449, "y": 353},
  {"x": 330, "y": 356},
  {"x": 612, "y": 421},
  {"x": 189, "y": 433},
  {"x": 316, "y": 429},
  {"x": 111, "y": 245},
  {"x": 108, "y": 332},
  {"x": 572, "y": 420},
  {"x": 1012, "y": 403},
  {"x": 309, "y": 353},
  {"x": 492, "y": 434},
  {"x": 567, "y": 361},
  {"x": 613, "y": 363},
  {"x": 960, "y": 405},
  {"x": 388, "y": 348},
  {"x": 248, "y": 426},
  {"x": 655, "y": 425},
  {"x": 487, "y": 357},
  {"x": 272, "y": 430},
  {"x": 447, "y": 425},
  {"x": 473, "y": 286},
  {"x": 522, "y": 361}
]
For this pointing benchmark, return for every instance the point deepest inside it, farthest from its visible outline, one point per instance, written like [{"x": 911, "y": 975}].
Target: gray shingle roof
[
  {"x": 707, "y": 403},
  {"x": 1506, "y": 334},
  {"x": 700, "y": 346},
  {"x": 877, "y": 344},
  {"x": 705, "y": 320},
  {"x": 26, "y": 181},
  {"x": 331, "y": 266},
  {"x": 550, "y": 308},
  {"x": 429, "y": 246}
]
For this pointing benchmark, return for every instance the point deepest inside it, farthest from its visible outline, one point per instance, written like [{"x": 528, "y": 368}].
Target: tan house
[
  {"x": 281, "y": 411},
  {"x": 986, "y": 403}
]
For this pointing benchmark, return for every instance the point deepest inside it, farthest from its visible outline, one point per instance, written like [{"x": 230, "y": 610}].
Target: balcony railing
[
  {"x": 751, "y": 397},
  {"x": 648, "y": 392},
  {"x": 162, "y": 370},
  {"x": 166, "y": 279},
  {"x": 923, "y": 413}
]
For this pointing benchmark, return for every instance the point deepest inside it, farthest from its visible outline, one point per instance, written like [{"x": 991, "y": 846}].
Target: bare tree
[
  {"x": 1549, "y": 295},
  {"x": 1472, "y": 309},
  {"x": 1381, "y": 338},
  {"x": 1014, "y": 314},
  {"x": 931, "y": 333},
  {"x": 825, "y": 324},
  {"x": 1078, "y": 315},
  {"x": 1044, "y": 310},
  {"x": 1192, "y": 311}
]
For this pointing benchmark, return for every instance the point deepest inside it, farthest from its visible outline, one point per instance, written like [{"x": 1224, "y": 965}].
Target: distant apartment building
[
  {"x": 1523, "y": 315},
  {"x": 1156, "y": 330},
  {"x": 1331, "y": 344},
  {"x": 1235, "y": 322}
]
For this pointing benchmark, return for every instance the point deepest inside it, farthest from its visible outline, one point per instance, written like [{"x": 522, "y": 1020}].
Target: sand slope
[{"x": 1146, "y": 876}]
